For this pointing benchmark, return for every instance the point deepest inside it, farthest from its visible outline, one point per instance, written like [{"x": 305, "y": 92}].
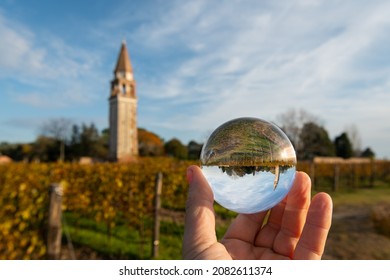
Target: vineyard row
[{"x": 107, "y": 192}]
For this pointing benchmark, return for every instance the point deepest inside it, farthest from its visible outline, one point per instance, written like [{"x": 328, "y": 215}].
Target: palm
[
  {"x": 295, "y": 228},
  {"x": 250, "y": 252}
]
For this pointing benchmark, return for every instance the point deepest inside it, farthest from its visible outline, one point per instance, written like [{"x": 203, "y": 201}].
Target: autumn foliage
[
  {"x": 106, "y": 192},
  {"x": 113, "y": 193}
]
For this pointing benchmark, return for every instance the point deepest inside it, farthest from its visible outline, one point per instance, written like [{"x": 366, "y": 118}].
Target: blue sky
[{"x": 197, "y": 64}]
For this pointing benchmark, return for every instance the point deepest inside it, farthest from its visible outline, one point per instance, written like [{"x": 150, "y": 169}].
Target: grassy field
[{"x": 361, "y": 197}]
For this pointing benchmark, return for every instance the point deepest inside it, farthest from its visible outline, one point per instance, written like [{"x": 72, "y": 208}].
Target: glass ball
[{"x": 249, "y": 163}]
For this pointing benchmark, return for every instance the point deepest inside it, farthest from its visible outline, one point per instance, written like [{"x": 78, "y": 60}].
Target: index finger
[{"x": 199, "y": 230}]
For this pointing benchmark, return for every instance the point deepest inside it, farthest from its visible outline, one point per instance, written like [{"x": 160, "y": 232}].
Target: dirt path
[{"x": 353, "y": 236}]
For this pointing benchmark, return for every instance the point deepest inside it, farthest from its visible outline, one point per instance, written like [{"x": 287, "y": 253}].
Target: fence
[
  {"x": 55, "y": 220},
  {"x": 334, "y": 173},
  {"x": 109, "y": 195}
]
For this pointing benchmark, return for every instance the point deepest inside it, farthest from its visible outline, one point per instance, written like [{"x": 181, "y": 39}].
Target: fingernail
[{"x": 190, "y": 175}]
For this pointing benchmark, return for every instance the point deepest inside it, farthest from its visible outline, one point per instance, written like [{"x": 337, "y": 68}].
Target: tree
[
  {"x": 88, "y": 142},
  {"x": 103, "y": 141},
  {"x": 79, "y": 140},
  {"x": 59, "y": 129},
  {"x": 7, "y": 149},
  {"x": 13, "y": 151},
  {"x": 343, "y": 146},
  {"x": 292, "y": 122},
  {"x": 176, "y": 149},
  {"x": 149, "y": 144},
  {"x": 194, "y": 150},
  {"x": 74, "y": 145},
  {"x": 368, "y": 153},
  {"x": 355, "y": 139},
  {"x": 314, "y": 141},
  {"x": 45, "y": 149}
]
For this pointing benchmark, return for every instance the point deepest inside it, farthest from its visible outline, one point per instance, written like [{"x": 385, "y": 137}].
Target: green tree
[
  {"x": 11, "y": 150},
  {"x": 176, "y": 149},
  {"x": 89, "y": 137},
  {"x": 7, "y": 149},
  {"x": 368, "y": 153},
  {"x": 103, "y": 143},
  {"x": 314, "y": 141},
  {"x": 194, "y": 150},
  {"x": 86, "y": 141},
  {"x": 74, "y": 145},
  {"x": 343, "y": 146},
  {"x": 45, "y": 149}
]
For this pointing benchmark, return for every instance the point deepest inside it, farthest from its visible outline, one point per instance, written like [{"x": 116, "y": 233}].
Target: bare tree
[
  {"x": 292, "y": 122},
  {"x": 355, "y": 139},
  {"x": 59, "y": 129}
]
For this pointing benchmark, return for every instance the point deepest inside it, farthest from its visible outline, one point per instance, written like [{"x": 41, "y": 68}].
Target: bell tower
[{"x": 123, "y": 145}]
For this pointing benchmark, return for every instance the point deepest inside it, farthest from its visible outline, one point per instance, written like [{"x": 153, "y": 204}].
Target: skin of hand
[{"x": 296, "y": 228}]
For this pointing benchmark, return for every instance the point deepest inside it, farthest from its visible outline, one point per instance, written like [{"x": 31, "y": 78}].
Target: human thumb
[{"x": 199, "y": 232}]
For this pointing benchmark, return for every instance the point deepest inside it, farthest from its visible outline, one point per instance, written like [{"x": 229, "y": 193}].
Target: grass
[
  {"x": 367, "y": 196},
  {"x": 124, "y": 242}
]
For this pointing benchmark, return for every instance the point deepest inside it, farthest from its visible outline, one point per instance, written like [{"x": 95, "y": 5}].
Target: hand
[{"x": 296, "y": 228}]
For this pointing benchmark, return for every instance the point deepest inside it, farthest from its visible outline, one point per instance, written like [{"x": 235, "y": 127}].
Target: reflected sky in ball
[{"x": 250, "y": 193}]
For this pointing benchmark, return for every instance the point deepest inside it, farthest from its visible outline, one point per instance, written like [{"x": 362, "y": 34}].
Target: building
[{"x": 123, "y": 144}]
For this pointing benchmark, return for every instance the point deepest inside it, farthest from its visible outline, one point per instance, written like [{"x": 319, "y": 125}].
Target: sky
[{"x": 197, "y": 64}]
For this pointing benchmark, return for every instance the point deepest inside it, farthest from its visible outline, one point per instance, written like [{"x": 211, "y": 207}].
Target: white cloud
[
  {"x": 265, "y": 59},
  {"x": 51, "y": 72},
  {"x": 200, "y": 63},
  {"x": 17, "y": 53},
  {"x": 56, "y": 98}
]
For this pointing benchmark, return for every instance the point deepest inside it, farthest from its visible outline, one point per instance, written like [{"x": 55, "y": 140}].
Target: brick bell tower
[{"x": 123, "y": 145}]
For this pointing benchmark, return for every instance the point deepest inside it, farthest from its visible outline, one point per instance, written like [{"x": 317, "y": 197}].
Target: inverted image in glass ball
[{"x": 249, "y": 163}]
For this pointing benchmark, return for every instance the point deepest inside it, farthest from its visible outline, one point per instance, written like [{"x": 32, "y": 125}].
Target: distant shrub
[{"x": 381, "y": 217}]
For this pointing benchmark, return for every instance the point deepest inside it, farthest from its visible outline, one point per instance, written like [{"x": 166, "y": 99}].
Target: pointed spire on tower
[{"x": 123, "y": 64}]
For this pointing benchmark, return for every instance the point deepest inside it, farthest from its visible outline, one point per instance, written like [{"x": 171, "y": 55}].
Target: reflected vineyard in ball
[{"x": 249, "y": 163}]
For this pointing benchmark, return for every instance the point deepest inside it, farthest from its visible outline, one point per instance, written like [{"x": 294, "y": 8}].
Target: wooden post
[
  {"x": 350, "y": 176},
  {"x": 372, "y": 177},
  {"x": 157, "y": 206},
  {"x": 312, "y": 173},
  {"x": 55, "y": 229},
  {"x": 354, "y": 176},
  {"x": 336, "y": 177}
]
